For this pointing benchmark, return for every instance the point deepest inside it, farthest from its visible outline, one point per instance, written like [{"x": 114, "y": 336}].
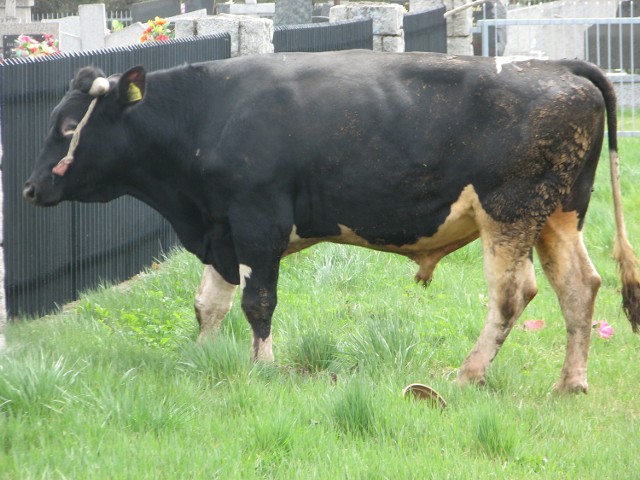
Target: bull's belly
[{"x": 459, "y": 228}]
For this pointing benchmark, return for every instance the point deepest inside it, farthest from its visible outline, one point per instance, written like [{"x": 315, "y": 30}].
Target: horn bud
[{"x": 99, "y": 87}]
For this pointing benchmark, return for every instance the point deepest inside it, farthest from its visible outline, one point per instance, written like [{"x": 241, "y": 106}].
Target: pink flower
[
  {"x": 604, "y": 330},
  {"x": 533, "y": 325},
  {"x": 29, "y": 46}
]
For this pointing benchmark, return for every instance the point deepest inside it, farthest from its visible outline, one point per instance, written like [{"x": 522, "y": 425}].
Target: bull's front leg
[
  {"x": 259, "y": 298},
  {"x": 259, "y": 246},
  {"x": 213, "y": 301}
]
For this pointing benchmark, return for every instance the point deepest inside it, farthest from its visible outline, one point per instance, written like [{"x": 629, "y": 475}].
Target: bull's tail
[{"x": 622, "y": 250}]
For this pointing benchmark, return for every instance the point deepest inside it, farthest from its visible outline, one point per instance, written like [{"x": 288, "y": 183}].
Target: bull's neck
[{"x": 167, "y": 173}]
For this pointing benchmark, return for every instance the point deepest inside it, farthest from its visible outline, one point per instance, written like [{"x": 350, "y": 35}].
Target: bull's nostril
[{"x": 29, "y": 192}]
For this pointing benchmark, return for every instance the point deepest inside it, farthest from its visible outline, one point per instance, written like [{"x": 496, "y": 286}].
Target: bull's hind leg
[
  {"x": 213, "y": 301},
  {"x": 512, "y": 285},
  {"x": 576, "y": 282}
]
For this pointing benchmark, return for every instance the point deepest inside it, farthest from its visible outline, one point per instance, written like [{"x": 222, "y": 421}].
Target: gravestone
[
  {"x": 193, "y": 5},
  {"x": 93, "y": 24},
  {"x": 16, "y": 11},
  {"x": 418, "y": 5},
  {"x": 625, "y": 56},
  {"x": 127, "y": 36},
  {"x": 9, "y": 42},
  {"x": 628, "y": 8},
  {"x": 141, "y": 12},
  {"x": 10, "y": 31},
  {"x": 292, "y": 12}
]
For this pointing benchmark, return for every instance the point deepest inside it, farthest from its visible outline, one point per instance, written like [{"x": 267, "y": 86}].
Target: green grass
[{"x": 114, "y": 386}]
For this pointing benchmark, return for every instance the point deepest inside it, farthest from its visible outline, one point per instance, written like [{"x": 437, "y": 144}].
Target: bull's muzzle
[
  {"x": 38, "y": 196},
  {"x": 29, "y": 192}
]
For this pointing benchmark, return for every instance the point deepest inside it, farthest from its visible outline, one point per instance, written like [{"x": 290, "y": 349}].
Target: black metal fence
[
  {"x": 52, "y": 254},
  {"x": 322, "y": 37},
  {"x": 425, "y": 31},
  {"x": 122, "y": 16}
]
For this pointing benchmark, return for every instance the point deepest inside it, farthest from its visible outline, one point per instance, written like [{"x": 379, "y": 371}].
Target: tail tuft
[
  {"x": 630, "y": 282},
  {"x": 623, "y": 252}
]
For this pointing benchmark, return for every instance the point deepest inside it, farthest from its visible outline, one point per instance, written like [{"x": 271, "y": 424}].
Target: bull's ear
[{"x": 131, "y": 85}]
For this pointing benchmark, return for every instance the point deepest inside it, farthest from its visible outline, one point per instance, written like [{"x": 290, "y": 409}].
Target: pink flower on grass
[
  {"x": 533, "y": 325},
  {"x": 604, "y": 329}
]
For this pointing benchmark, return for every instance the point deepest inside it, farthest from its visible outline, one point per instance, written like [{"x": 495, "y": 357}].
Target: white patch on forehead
[{"x": 245, "y": 274}]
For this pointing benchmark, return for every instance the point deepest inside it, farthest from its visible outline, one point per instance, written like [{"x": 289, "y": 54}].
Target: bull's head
[{"x": 87, "y": 139}]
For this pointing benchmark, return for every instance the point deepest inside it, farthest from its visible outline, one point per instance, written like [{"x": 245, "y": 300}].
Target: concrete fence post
[
  {"x": 388, "y": 34},
  {"x": 249, "y": 35},
  {"x": 459, "y": 29}
]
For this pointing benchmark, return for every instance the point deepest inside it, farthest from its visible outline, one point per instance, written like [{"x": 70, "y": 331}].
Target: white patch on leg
[
  {"x": 245, "y": 274},
  {"x": 262, "y": 349},
  {"x": 213, "y": 301}
]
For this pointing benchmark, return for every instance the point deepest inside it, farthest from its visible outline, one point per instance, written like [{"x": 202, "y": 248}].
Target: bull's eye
[{"x": 68, "y": 127}]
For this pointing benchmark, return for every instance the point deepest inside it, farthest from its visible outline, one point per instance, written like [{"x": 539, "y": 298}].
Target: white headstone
[
  {"x": 93, "y": 25},
  {"x": 127, "y": 36}
]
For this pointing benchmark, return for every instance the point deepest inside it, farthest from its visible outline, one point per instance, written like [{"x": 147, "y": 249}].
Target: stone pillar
[
  {"x": 419, "y": 5},
  {"x": 10, "y": 8},
  {"x": 249, "y": 35},
  {"x": 16, "y": 10},
  {"x": 93, "y": 24},
  {"x": 388, "y": 35},
  {"x": 292, "y": 12},
  {"x": 459, "y": 29}
]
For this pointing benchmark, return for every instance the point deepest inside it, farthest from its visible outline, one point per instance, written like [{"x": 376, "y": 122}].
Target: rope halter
[{"x": 99, "y": 87}]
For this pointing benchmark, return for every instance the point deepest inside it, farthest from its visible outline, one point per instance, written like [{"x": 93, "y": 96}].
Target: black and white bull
[{"x": 254, "y": 158}]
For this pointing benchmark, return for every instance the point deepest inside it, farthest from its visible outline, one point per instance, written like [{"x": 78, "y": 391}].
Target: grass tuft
[
  {"x": 272, "y": 442},
  {"x": 353, "y": 410},
  {"x": 383, "y": 343},
  {"x": 495, "y": 436},
  {"x": 35, "y": 383},
  {"x": 314, "y": 352},
  {"x": 220, "y": 359},
  {"x": 135, "y": 404}
]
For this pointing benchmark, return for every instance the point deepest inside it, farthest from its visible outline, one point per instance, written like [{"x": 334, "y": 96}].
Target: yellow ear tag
[{"x": 133, "y": 93}]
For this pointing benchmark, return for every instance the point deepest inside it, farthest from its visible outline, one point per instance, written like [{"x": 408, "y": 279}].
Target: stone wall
[{"x": 252, "y": 35}]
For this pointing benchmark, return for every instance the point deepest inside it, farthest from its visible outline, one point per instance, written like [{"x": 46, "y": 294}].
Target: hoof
[
  {"x": 564, "y": 387},
  {"x": 466, "y": 378},
  {"x": 206, "y": 336}
]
